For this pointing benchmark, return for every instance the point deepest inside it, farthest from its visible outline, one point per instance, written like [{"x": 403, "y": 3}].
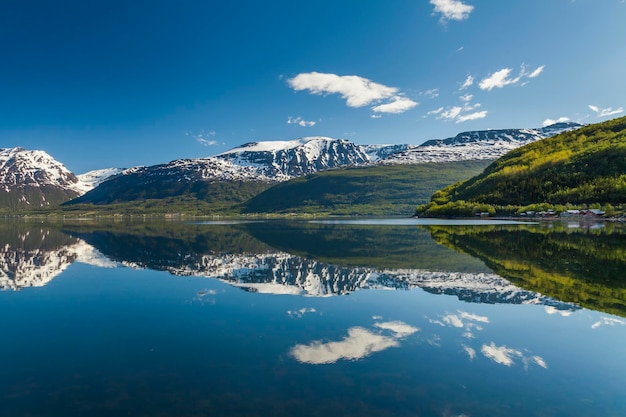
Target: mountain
[
  {"x": 33, "y": 179},
  {"x": 284, "y": 160},
  {"x": 228, "y": 178},
  {"x": 476, "y": 145},
  {"x": 213, "y": 180},
  {"x": 585, "y": 166}
]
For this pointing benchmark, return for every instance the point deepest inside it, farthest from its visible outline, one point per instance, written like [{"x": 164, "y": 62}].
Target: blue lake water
[{"x": 307, "y": 319}]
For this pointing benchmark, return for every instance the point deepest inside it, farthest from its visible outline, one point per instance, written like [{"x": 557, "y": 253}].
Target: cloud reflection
[
  {"x": 400, "y": 329},
  {"x": 359, "y": 343},
  {"x": 553, "y": 310},
  {"x": 505, "y": 356},
  {"x": 301, "y": 312},
  {"x": 608, "y": 321},
  {"x": 470, "y": 352}
]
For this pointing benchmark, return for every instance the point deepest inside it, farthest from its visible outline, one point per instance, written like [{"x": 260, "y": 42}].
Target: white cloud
[
  {"x": 451, "y": 113},
  {"x": 469, "y": 81},
  {"x": 300, "y": 121},
  {"x": 357, "y": 91},
  {"x": 497, "y": 80},
  {"x": 204, "y": 138},
  {"x": 358, "y": 344},
  {"x": 466, "y": 98},
  {"x": 549, "y": 122},
  {"x": 502, "y": 78},
  {"x": 397, "y": 105},
  {"x": 206, "y": 142},
  {"x": 432, "y": 93},
  {"x": 452, "y": 9},
  {"x": 459, "y": 114},
  {"x": 472, "y": 116},
  {"x": 536, "y": 72},
  {"x": 436, "y": 111},
  {"x": 400, "y": 329},
  {"x": 605, "y": 112},
  {"x": 469, "y": 107}
]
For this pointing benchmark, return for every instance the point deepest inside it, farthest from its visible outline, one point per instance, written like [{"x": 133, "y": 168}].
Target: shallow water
[{"x": 299, "y": 318}]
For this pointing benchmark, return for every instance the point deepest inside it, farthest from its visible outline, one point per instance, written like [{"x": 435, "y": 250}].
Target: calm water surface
[{"x": 308, "y": 319}]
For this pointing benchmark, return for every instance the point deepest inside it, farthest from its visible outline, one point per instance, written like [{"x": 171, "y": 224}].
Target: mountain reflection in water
[{"x": 309, "y": 259}]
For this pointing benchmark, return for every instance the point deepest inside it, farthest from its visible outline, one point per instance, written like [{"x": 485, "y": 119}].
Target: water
[{"x": 300, "y": 318}]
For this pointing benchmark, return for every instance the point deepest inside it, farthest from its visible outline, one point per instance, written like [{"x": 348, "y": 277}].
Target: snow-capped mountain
[
  {"x": 209, "y": 179},
  {"x": 35, "y": 179},
  {"x": 288, "y": 159},
  {"x": 32, "y": 178},
  {"x": 476, "y": 145}
]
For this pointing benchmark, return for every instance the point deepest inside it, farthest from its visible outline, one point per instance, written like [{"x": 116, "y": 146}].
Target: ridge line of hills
[{"x": 33, "y": 179}]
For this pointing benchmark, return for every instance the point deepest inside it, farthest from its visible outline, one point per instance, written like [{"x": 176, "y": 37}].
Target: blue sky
[{"x": 121, "y": 83}]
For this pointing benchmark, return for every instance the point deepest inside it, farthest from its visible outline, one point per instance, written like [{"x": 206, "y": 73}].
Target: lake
[{"x": 385, "y": 317}]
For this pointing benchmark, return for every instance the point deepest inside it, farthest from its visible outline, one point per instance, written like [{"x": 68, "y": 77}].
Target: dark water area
[{"x": 284, "y": 318}]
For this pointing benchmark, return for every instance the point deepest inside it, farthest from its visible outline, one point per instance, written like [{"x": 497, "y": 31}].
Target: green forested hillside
[
  {"x": 374, "y": 190},
  {"x": 583, "y": 167}
]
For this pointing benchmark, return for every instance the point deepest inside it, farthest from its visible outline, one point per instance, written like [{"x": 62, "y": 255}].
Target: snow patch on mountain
[{"x": 92, "y": 179}]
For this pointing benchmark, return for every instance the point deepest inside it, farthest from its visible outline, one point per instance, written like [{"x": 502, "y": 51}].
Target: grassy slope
[
  {"x": 585, "y": 166},
  {"x": 376, "y": 190}
]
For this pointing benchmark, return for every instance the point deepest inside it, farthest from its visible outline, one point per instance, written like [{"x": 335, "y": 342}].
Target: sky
[{"x": 111, "y": 83}]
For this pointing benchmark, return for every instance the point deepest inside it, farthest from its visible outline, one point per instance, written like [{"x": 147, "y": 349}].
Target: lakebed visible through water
[{"x": 393, "y": 317}]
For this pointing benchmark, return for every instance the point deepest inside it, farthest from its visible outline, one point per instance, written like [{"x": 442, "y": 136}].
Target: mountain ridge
[{"x": 253, "y": 166}]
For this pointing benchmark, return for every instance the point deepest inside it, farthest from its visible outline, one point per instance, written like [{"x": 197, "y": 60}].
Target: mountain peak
[
  {"x": 32, "y": 178},
  {"x": 296, "y": 157}
]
